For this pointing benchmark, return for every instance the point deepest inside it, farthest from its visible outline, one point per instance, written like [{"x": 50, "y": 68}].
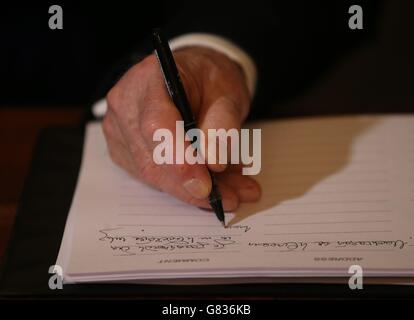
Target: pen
[{"x": 177, "y": 93}]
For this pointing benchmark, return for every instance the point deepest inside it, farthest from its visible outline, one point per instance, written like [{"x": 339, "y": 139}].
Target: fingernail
[{"x": 197, "y": 188}]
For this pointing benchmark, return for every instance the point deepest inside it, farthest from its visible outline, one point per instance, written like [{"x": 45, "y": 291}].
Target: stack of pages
[{"x": 337, "y": 192}]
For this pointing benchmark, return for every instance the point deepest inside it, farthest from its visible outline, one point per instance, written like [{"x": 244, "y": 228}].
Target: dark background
[
  {"x": 309, "y": 63},
  {"x": 43, "y": 66},
  {"x": 39, "y": 66}
]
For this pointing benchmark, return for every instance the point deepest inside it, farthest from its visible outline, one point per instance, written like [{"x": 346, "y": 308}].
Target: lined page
[{"x": 336, "y": 192}]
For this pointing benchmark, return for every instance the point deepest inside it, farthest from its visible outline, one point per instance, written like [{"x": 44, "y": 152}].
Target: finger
[
  {"x": 116, "y": 146},
  {"x": 246, "y": 188},
  {"x": 112, "y": 129},
  {"x": 120, "y": 155},
  {"x": 159, "y": 121},
  {"x": 222, "y": 115},
  {"x": 230, "y": 199}
]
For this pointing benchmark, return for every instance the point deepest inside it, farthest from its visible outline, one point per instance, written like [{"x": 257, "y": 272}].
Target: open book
[{"x": 337, "y": 192}]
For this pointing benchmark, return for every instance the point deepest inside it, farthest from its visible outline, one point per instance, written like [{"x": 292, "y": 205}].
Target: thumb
[{"x": 221, "y": 122}]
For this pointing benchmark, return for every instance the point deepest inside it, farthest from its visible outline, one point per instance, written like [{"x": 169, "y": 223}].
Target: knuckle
[
  {"x": 148, "y": 172},
  {"x": 239, "y": 107},
  {"x": 111, "y": 96},
  {"x": 148, "y": 61},
  {"x": 115, "y": 156},
  {"x": 107, "y": 127},
  {"x": 145, "y": 67},
  {"x": 151, "y": 121},
  {"x": 112, "y": 99},
  {"x": 232, "y": 107}
]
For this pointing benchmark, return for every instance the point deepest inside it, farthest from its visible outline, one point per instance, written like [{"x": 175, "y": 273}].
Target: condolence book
[{"x": 337, "y": 192}]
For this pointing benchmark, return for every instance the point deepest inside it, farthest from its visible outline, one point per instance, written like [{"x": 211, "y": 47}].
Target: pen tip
[{"x": 217, "y": 207}]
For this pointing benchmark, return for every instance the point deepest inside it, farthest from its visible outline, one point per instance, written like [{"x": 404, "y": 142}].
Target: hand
[{"x": 139, "y": 104}]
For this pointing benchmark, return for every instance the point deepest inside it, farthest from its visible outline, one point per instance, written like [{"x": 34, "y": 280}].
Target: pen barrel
[
  {"x": 172, "y": 77},
  {"x": 214, "y": 194},
  {"x": 177, "y": 93}
]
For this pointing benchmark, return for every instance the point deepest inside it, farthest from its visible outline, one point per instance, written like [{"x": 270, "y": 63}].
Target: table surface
[{"x": 19, "y": 130}]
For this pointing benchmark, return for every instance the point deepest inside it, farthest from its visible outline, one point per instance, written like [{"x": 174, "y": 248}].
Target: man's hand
[{"x": 139, "y": 104}]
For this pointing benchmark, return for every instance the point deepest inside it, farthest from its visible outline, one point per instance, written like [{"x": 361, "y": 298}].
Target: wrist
[
  {"x": 224, "y": 46},
  {"x": 208, "y": 74},
  {"x": 201, "y": 59},
  {"x": 203, "y": 68}
]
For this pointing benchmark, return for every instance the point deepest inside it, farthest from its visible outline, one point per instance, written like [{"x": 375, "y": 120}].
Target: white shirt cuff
[
  {"x": 217, "y": 43},
  {"x": 224, "y": 46}
]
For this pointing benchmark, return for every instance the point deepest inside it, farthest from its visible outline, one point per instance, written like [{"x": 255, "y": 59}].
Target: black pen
[{"x": 177, "y": 93}]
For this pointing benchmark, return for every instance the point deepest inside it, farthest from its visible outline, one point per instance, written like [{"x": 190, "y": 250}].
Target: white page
[{"x": 336, "y": 192}]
